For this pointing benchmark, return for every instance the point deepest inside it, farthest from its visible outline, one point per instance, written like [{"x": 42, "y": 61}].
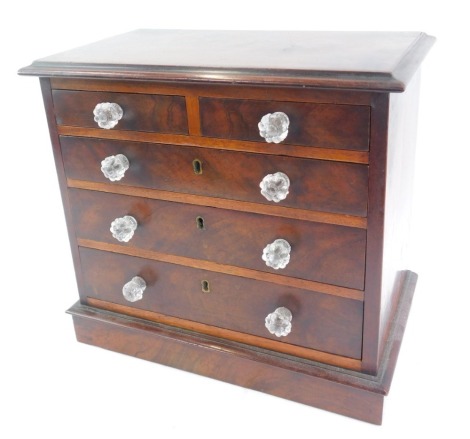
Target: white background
[{"x": 52, "y": 386}]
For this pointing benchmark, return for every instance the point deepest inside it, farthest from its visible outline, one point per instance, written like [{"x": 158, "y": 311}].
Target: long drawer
[
  {"x": 319, "y": 252},
  {"x": 319, "y": 321},
  {"x": 314, "y": 184}
]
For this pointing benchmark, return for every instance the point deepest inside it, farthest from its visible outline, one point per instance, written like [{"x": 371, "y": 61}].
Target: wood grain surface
[
  {"x": 228, "y": 334},
  {"x": 243, "y": 206},
  {"x": 322, "y": 322},
  {"x": 320, "y": 252},
  {"x": 149, "y": 113},
  {"x": 279, "y": 149},
  {"x": 248, "y": 273},
  {"x": 383, "y": 61},
  {"x": 320, "y": 125},
  {"x": 315, "y": 185}
]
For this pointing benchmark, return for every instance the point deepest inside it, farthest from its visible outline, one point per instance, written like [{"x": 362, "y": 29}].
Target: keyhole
[
  {"x": 205, "y": 286},
  {"x": 197, "y": 166},
  {"x": 200, "y": 222}
]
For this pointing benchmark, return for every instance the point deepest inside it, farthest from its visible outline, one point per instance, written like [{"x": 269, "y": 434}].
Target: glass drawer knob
[
  {"x": 123, "y": 228},
  {"x": 274, "y": 127},
  {"x": 115, "y": 166},
  {"x": 134, "y": 289},
  {"x": 278, "y": 322},
  {"x": 107, "y": 115},
  {"x": 277, "y": 254},
  {"x": 275, "y": 187}
]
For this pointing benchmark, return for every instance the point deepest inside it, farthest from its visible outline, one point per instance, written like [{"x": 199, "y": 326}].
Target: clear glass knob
[
  {"x": 115, "y": 166},
  {"x": 279, "y": 322},
  {"x": 275, "y": 187},
  {"x": 277, "y": 254},
  {"x": 107, "y": 115},
  {"x": 123, "y": 228},
  {"x": 134, "y": 289},
  {"x": 274, "y": 127}
]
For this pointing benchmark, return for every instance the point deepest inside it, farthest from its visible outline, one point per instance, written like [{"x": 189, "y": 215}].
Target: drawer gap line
[
  {"x": 317, "y": 287},
  {"x": 309, "y": 152},
  {"x": 222, "y": 203},
  {"x": 255, "y": 340}
]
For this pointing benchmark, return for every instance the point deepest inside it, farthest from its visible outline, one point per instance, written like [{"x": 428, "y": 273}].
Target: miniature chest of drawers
[{"x": 237, "y": 203}]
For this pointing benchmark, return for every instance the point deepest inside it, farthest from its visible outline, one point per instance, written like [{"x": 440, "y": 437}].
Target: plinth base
[{"x": 334, "y": 389}]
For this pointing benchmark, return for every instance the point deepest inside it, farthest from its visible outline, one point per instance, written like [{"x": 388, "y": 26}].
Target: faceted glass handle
[
  {"x": 274, "y": 127},
  {"x": 275, "y": 187},
  {"x": 115, "y": 166},
  {"x": 134, "y": 289},
  {"x": 279, "y": 323},
  {"x": 277, "y": 254},
  {"x": 123, "y": 228},
  {"x": 107, "y": 115}
]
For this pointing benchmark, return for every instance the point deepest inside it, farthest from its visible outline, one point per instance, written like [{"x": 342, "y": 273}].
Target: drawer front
[
  {"x": 319, "y": 252},
  {"x": 319, "y": 125},
  {"x": 314, "y": 184},
  {"x": 151, "y": 113},
  {"x": 326, "y": 323}
]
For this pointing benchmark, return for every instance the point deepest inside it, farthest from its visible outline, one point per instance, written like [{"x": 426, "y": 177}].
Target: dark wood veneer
[
  {"x": 323, "y": 322},
  {"x": 320, "y": 252},
  {"x": 320, "y": 125},
  {"x": 384, "y": 61},
  {"x": 207, "y": 89},
  {"x": 58, "y": 159},
  {"x": 242, "y": 206},
  {"x": 390, "y": 200},
  {"x": 316, "y": 185},
  {"x": 151, "y": 113},
  {"x": 248, "y": 273},
  {"x": 228, "y": 334},
  {"x": 359, "y": 396},
  {"x": 310, "y": 152},
  {"x": 349, "y": 155}
]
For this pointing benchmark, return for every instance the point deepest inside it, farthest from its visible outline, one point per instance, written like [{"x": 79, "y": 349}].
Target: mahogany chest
[{"x": 238, "y": 203}]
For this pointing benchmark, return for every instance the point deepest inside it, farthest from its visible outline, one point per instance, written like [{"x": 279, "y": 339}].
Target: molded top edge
[{"x": 383, "y": 61}]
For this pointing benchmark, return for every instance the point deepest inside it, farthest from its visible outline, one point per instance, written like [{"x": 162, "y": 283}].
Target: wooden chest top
[{"x": 353, "y": 60}]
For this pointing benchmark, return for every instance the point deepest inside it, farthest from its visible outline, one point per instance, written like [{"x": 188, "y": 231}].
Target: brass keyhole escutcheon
[
  {"x": 205, "y": 286},
  {"x": 197, "y": 166},
  {"x": 200, "y": 222}
]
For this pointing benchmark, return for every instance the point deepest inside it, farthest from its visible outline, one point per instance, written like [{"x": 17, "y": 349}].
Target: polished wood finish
[
  {"x": 316, "y": 185},
  {"x": 58, "y": 159},
  {"x": 384, "y": 61},
  {"x": 227, "y": 269},
  {"x": 225, "y": 361},
  {"x": 390, "y": 201},
  {"x": 320, "y": 125},
  {"x": 279, "y": 149},
  {"x": 355, "y": 395},
  {"x": 273, "y": 345},
  {"x": 151, "y": 113},
  {"x": 322, "y": 322},
  {"x": 242, "y": 206},
  {"x": 349, "y": 155},
  {"x": 320, "y": 252},
  {"x": 401, "y": 141},
  {"x": 378, "y": 148},
  {"x": 195, "y": 90}
]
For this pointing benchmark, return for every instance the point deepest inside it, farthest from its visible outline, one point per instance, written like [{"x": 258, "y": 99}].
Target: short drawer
[
  {"x": 319, "y": 321},
  {"x": 141, "y": 112},
  {"x": 314, "y": 184},
  {"x": 319, "y": 252},
  {"x": 311, "y": 124}
]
